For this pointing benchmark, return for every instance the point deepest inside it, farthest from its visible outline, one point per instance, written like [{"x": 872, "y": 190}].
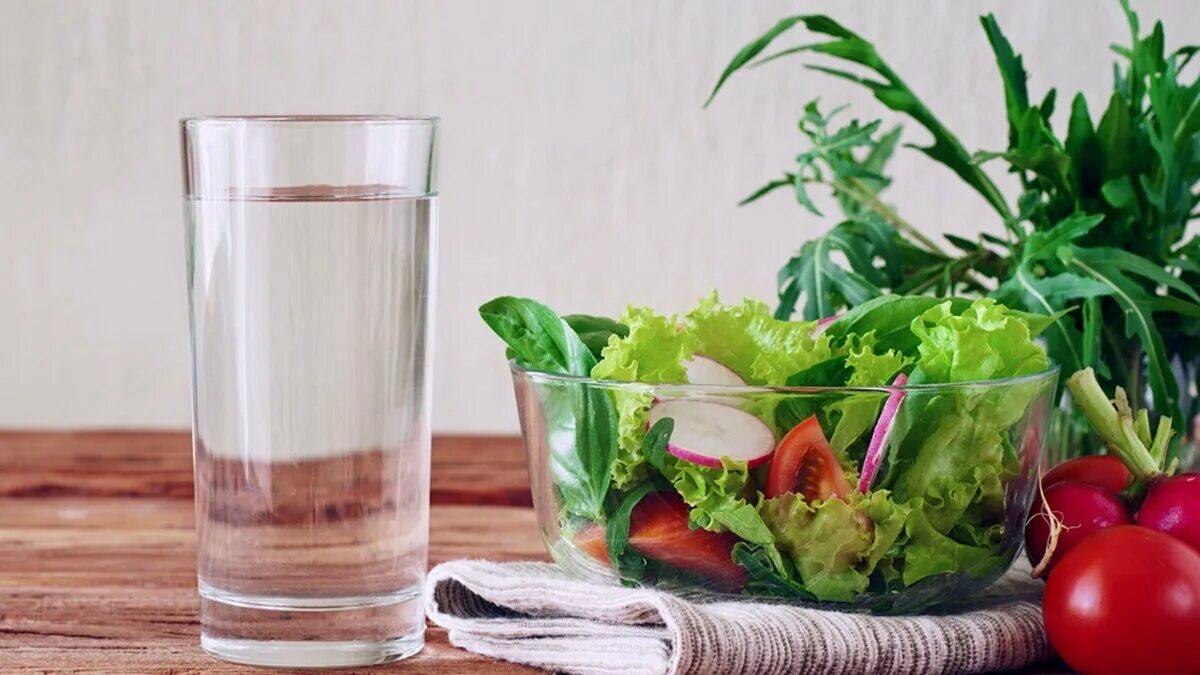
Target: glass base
[
  {"x": 311, "y": 632},
  {"x": 312, "y": 654}
]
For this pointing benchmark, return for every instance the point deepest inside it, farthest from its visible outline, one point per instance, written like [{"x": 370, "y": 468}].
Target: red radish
[
  {"x": 703, "y": 370},
  {"x": 823, "y": 324},
  {"x": 1173, "y": 507},
  {"x": 705, "y": 432},
  {"x": 1103, "y": 471},
  {"x": 1066, "y": 515},
  {"x": 881, "y": 435}
]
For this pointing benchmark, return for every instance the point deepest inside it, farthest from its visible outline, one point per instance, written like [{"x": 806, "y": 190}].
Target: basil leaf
[
  {"x": 767, "y": 574},
  {"x": 654, "y": 445},
  {"x": 616, "y": 532},
  {"x": 541, "y": 340},
  {"x": 595, "y": 331}
]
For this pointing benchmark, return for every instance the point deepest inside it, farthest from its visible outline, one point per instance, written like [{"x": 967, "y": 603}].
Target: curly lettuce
[
  {"x": 653, "y": 351},
  {"x": 835, "y": 545},
  {"x": 748, "y": 339},
  {"x": 857, "y": 413},
  {"x": 745, "y": 338}
]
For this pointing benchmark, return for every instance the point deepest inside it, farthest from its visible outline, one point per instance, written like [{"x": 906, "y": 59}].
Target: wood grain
[
  {"x": 97, "y": 549},
  {"x": 465, "y": 469}
]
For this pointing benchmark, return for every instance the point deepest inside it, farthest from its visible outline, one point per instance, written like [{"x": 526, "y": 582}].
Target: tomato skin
[
  {"x": 1126, "y": 600},
  {"x": 1107, "y": 472},
  {"x": 804, "y": 463},
  {"x": 659, "y": 529},
  {"x": 590, "y": 540}
]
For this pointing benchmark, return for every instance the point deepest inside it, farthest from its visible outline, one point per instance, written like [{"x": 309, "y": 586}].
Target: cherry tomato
[
  {"x": 804, "y": 463},
  {"x": 1126, "y": 600},
  {"x": 1104, "y": 471}
]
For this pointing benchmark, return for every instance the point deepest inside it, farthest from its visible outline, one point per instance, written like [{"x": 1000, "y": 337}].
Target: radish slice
[
  {"x": 706, "y": 431},
  {"x": 822, "y": 324},
  {"x": 703, "y": 370},
  {"x": 883, "y": 431}
]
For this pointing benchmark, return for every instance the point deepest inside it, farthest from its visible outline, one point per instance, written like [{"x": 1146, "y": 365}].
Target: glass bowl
[{"x": 941, "y": 517}]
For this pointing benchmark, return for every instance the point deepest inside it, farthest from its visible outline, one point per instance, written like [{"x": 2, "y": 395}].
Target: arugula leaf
[
  {"x": 1139, "y": 308},
  {"x": 890, "y": 90},
  {"x": 1012, "y": 71}
]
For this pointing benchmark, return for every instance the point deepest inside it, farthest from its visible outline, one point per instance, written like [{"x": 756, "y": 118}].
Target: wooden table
[
  {"x": 97, "y": 570},
  {"x": 97, "y": 552}
]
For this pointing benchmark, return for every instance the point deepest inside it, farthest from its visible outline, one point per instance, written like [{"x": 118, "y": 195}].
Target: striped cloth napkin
[{"x": 537, "y": 614}]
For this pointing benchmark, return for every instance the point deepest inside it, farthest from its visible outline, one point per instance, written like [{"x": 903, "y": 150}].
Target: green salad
[{"x": 814, "y": 494}]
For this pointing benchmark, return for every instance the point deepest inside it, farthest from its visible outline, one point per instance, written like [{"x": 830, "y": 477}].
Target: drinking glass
[{"x": 310, "y": 265}]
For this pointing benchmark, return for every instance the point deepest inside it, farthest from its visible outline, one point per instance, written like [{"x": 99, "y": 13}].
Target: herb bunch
[{"x": 1097, "y": 237}]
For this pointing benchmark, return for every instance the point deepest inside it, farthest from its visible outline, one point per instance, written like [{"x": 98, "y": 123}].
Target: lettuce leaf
[
  {"x": 652, "y": 351},
  {"x": 928, "y": 552},
  {"x": 753, "y": 343},
  {"x": 985, "y": 342},
  {"x": 953, "y": 471},
  {"x": 857, "y": 413},
  {"x": 718, "y": 499},
  {"x": 746, "y": 338},
  {"x": 831, "y": 545}
]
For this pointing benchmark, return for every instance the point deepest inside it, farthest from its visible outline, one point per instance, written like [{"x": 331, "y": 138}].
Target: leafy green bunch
[{"x": 1097, "y": 237}]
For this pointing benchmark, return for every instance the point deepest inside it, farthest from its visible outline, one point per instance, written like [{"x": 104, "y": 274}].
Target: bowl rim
[{"x": 1049, "y": 373}]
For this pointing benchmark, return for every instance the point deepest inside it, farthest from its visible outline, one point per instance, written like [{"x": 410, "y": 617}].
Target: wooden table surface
[{"x": 97, "y": 551}]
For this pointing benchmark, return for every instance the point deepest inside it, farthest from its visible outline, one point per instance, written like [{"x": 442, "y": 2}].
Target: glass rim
[
  {"x": 199, "y": 120},
  {"x": 736, "y": 389}
]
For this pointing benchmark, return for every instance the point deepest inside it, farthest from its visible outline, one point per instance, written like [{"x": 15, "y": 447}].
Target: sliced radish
[
  {"x": 703, "y": 370},
  {"x": 822, "y": 324},
  {"x": 705, "y": 432},
  {"x": 883, "y": 431}
]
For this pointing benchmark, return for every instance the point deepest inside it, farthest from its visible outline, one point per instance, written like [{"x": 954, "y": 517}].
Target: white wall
[{"x": 577, "y": 165}]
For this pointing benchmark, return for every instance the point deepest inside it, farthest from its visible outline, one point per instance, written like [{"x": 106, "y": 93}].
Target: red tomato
[
  {"x": 804, "y": 463},
  {"x": 658, "y": 528},
  {"x": 1126, "y": 600},
  {"x": 1104, "y": 471},
  {"x": 590, "y": 540}
]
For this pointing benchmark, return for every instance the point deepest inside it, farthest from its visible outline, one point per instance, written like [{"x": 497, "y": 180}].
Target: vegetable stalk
[{"x": 1114, "y": 421}]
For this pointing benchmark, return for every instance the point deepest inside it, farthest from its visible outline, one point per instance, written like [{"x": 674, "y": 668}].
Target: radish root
[{"x": 1056, "y": 528}]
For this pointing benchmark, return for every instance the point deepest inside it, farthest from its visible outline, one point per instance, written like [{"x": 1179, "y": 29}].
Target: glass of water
[{"x": 310, "y": 265}]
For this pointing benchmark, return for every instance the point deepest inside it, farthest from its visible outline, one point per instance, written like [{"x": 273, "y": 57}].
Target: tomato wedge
[
  {"x": 805, "y": 464},
  {"x": 658, "y": 529},
  {"x": 590, "y": 540}
]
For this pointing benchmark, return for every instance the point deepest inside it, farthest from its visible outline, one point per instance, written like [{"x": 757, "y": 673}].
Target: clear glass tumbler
[{"x": 310, "y": 264}]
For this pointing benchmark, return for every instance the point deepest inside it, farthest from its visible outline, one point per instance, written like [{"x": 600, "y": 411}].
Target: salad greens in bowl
[{"x": 880, "y": 460}]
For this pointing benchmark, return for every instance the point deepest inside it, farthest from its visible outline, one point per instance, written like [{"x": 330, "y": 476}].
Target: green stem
[
  {"x": 1116, "y": 428},
  {"x": 854, "y": 189}
]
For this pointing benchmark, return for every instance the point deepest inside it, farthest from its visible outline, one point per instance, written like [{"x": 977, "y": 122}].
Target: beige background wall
[{"x": 577, "y": 165}]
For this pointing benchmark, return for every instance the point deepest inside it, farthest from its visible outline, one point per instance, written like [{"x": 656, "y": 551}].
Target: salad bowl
[
  {"x": 902, "y": 486},
  {"x": 941, "y": 515}
]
